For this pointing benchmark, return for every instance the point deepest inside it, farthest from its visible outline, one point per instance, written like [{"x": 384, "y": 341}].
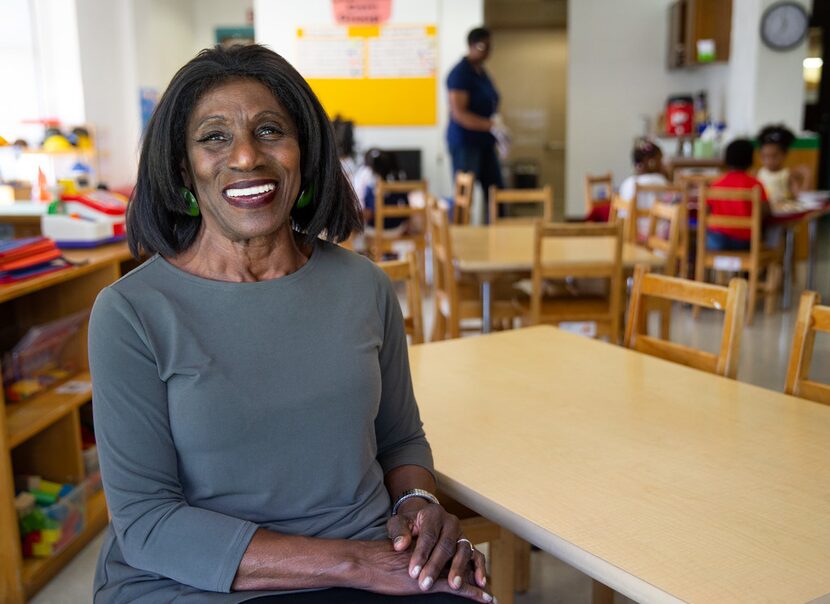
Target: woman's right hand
[{"x": 381, "y": 569}]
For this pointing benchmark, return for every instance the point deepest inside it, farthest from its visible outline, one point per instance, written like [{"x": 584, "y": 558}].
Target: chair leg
[
  {"x": 753, "y": 296},
  {"x": 439, "y": 325},
  {"x": 522, "y": 566},
  {"x": 772, "y": 287},
  {"x": 503, "y": 566},
  {"x": 601, "y": 593}
]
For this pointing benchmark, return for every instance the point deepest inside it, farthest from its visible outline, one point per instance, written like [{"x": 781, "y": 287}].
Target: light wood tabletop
[
  {"x": 663, "y": 482},
  {"x": 509, "y": 248}
]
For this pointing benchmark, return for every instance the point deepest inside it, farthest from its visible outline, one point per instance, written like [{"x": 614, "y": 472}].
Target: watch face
[{"x": 784, "y": 25}]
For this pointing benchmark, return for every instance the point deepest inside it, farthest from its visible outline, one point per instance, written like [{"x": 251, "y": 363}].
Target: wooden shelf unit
[{"x": 42, "y": 435}]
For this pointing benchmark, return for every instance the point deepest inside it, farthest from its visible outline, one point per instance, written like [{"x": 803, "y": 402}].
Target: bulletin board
[{"x": 375, "y": 75}]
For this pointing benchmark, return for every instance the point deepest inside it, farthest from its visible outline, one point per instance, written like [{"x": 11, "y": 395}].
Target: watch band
[{"x": 421, "y": 493}]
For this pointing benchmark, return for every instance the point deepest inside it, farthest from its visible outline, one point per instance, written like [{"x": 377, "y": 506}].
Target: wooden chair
[
  {"x": 505, "y": 197},
  {"x": 731, "y": 300},
  {"x": 379, "y": 242},
  {"x": 757, "y": 259},
  {"x": 603, "y": 183},
  {"x": 407, "y": 271},
  {"x": 692, "y": 185},
  {"x": 811, "y": 318},
  {"x": 668, "y": 208},
  {"x": 463, "y": 197},
  {"x": 693, "y": 166},
  {"x": 663, "y": 238},
  {"x": 604, "y": 310},
  {"x": 620, "y": 211},
  {"x": 456, "y": 299}
]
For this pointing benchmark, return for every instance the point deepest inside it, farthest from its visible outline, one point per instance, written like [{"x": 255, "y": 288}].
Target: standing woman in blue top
[{"x": 473, "y": 105}]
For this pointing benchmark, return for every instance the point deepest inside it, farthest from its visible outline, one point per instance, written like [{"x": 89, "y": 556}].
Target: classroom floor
[{"x": 764, "y": 353}]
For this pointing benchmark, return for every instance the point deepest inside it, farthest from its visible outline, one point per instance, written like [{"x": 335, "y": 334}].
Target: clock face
[{"x": 784, "y": 25}]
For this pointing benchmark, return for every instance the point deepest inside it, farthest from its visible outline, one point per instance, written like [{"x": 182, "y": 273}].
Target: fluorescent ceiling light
[{"x": 812, "y": 63}]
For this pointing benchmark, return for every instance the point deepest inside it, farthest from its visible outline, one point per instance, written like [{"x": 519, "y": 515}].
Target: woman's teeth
[{"x": 250, "y": 191}]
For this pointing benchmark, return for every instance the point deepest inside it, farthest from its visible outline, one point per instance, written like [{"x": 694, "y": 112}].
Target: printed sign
[{"x": 361, "y": 12}]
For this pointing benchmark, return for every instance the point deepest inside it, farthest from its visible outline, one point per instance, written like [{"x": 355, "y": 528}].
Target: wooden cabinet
[
  {"x": 41, "y": 435},
  {"x": 693, "y": 20}
]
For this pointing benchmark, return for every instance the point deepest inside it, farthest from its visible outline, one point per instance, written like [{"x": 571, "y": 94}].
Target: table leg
[
  {"x": 812, "y": 232},
  {"x": 789, "y": 245},
  {"x": 486, "y": 306}
]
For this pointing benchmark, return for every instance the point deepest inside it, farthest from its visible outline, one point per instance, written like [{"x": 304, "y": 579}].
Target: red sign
[{"x": 361, "y": 12}]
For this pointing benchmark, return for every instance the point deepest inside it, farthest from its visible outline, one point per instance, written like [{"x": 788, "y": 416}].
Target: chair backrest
[
  {"x": 811, "y": 318},
  {"x": 731, "y": 300},
  {"x": 407, "y": 271},
  {"x": 504, "y": 197},
  {"x": 610, "y": 269},
  {"x": 620, "y": 211},
  {"x": 384, "y": 210},
  {"x": 463, "y": 197},
  {"x": 663, "y": 236},
  {"x": 705, "y": 220},
  {"x": 443, "y": 270},
  {"x": 603, "y": 183},
  {"x": 693, "y": 166}
]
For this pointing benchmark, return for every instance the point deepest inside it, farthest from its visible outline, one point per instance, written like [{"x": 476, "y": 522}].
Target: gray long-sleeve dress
[{"x": 224, "y": 407}]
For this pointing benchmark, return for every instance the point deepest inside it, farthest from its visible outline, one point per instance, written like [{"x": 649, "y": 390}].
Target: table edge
[{"x": 603, "y": 571}]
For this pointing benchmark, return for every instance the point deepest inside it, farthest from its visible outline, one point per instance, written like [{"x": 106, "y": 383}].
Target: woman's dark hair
[
  {"x": 776, "y": 134},
  {"x": 157, "y": 218},
  {"x": 739, "y": 154},
  {"x": 479, "y": 34},
  {"x": 644, "y": 149}
]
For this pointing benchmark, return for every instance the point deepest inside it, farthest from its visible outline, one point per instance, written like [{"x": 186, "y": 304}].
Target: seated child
[
  {"x": 649, "y": 170},
  {"x": 738, "y": 161},
  {"x": 379, "y": 165},
  {"x": 781, "y": 183}
]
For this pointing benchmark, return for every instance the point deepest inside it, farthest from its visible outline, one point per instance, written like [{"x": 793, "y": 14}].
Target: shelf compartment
[
  {"x": 27, "y": 418},
  {"x": 37, "y": 572}
]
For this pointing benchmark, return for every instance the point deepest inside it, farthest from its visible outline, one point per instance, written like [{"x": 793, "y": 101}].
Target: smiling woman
[{"x": 253, "y": 404}]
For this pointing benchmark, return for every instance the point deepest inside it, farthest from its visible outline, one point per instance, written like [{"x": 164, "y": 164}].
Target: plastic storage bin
[{"x": 48, "y": 530}]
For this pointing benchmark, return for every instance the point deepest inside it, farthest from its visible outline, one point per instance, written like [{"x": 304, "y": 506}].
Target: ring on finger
[{"x": 468, "y": 542}]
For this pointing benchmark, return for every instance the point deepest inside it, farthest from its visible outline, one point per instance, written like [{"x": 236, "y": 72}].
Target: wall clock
[{"x": 784, "y": 25}]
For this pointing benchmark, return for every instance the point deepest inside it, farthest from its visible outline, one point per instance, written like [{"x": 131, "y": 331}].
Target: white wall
[
  {"x": 164, "y": 32},
  {"x": 276, "y": 24},
  {"x": 617, "y": 73},
  {"x": 17, "y": 70},
  {"x": 109, "y": 76}
]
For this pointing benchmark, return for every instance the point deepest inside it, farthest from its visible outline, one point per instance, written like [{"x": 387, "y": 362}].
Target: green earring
[
  {"x": 190, "y": 198},
  {"x": 306, "y": 197}
]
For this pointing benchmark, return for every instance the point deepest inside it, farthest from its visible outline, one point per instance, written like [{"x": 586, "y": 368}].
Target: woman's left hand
[{"x": 436, "y": 535}]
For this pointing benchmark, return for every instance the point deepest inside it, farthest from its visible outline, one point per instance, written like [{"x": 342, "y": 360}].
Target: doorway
[{"x": 529, "y": 67}]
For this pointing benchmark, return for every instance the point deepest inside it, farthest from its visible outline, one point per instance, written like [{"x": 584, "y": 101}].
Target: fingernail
[
  {"x": 415, "y": 572},
  {"x": 456, "y": 582},
  {"x": 398, "y": 541},
  {"x": 488, "y": 598},
  {"x": 426, "y": 583}
]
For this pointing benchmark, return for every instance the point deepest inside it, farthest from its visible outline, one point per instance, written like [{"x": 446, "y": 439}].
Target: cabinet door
[
  {"x": 708, "y": 20},
  {"x": 677, "y": 34}
]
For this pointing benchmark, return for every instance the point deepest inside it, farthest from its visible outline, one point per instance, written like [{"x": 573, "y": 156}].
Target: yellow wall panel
[{"x": 380, "y": 102}]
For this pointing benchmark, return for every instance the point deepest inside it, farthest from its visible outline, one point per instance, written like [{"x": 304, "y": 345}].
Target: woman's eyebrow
[{"x": 211, "y": 118}]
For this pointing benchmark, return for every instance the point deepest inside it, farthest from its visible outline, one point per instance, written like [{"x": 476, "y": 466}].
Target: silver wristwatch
[{"x": 414, "y": 493}]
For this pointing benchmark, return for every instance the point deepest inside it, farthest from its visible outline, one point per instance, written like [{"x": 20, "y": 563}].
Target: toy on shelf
[
  {"x": 39, "y": 360},
  {"x": 83, "y": 220},
  {"x": 49, "y": 514}
]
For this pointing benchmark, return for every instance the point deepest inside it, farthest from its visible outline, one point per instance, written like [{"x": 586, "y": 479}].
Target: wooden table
[
  {"x": 790, "y": 218},
  {"x": 488, "y": 251},
  {"x": 665, "y": 483}
]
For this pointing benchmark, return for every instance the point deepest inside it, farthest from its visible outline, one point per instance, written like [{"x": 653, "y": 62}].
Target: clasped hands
[{"x": 428, "y": 536}]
